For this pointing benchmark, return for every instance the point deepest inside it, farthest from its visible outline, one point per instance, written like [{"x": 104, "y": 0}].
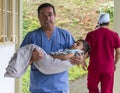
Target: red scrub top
[{"x": 102, "y": 41}]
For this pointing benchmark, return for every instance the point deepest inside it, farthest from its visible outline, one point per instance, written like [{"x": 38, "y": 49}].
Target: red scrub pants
[{"x": 106, "y": 80}]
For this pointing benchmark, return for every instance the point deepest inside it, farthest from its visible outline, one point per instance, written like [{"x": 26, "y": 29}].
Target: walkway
[{"x": 79, "y": 85}]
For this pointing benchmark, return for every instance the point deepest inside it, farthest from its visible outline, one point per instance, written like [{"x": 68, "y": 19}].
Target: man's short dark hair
[{"x": 46, "y": 5}]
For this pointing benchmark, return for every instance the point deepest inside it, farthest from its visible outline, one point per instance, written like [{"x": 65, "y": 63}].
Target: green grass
[{"x": 26, "y": 81}]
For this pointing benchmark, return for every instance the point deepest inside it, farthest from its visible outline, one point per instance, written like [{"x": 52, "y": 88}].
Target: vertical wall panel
[
  {"x": 117, "y": 29},
  {"x": 1, "y": 8}
]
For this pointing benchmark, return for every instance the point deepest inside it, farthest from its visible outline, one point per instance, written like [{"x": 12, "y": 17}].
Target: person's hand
[
  {"x": 84, "y": 65},
  {"x": 76, "y": 60},
  {"x": 36, "y": 55}
]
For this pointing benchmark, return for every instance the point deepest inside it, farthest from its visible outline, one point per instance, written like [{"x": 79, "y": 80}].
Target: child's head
[{"x": 81, "y": 45}]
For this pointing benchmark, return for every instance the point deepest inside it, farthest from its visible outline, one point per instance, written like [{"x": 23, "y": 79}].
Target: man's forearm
[
  {"x": 117, "y": 55},
  {"x": 63, "y": 57}
]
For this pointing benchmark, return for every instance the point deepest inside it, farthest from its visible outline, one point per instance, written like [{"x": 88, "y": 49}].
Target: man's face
[{"x": 47, "y": 17}]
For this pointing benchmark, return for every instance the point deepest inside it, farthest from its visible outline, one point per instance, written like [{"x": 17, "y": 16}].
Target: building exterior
[
  {"x": 10, "y": 33},
  {"x": 10, "y": 38}
]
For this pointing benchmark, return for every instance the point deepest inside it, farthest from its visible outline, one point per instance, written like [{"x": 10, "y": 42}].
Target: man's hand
[
  {"x": 36, "y": 55},
  {"x": 79, "y": 60},
  {"x": 76, "y": 60}
]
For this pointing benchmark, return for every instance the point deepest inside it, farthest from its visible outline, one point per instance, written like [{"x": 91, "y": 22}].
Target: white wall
[{"x": 7, "y": 85}]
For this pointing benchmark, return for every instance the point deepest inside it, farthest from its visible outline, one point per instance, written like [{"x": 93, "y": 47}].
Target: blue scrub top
[{"x": 55, "y": 83}]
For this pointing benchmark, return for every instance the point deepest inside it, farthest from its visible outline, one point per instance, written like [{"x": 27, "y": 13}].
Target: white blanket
[{"x": 47, "y": 65}]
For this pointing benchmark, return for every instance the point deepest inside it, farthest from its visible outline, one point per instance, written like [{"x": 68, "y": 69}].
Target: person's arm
[
  {"x": 63, "y": 57},
  {"x": 84, "y": 65},
  {"x": 47, "y": 64},
  {"x": 78, "y": 60},
  {"x": 117, "y": 56}
]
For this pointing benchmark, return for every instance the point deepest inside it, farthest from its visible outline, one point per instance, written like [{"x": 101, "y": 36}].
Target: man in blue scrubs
[{"x": 51, "y": 39}]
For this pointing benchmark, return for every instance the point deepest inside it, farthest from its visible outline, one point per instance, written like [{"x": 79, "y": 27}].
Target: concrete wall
[
  {"x": 117, "y": 29},
  {"x": 7, "y": 85}
]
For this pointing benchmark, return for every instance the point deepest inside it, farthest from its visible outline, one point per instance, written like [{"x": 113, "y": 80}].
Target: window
[{"x": 8, "y": 21}]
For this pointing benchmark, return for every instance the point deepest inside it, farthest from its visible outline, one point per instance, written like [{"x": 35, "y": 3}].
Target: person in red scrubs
[{"x": 104, "y": 55}]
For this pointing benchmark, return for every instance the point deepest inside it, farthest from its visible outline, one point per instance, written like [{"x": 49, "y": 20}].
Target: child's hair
[{"x": 86, "y": 47}]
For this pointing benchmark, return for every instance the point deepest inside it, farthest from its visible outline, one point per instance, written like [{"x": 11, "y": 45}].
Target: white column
[
  {"x": 117, "y": 29},
  {"x": 18, "y": 82}
]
